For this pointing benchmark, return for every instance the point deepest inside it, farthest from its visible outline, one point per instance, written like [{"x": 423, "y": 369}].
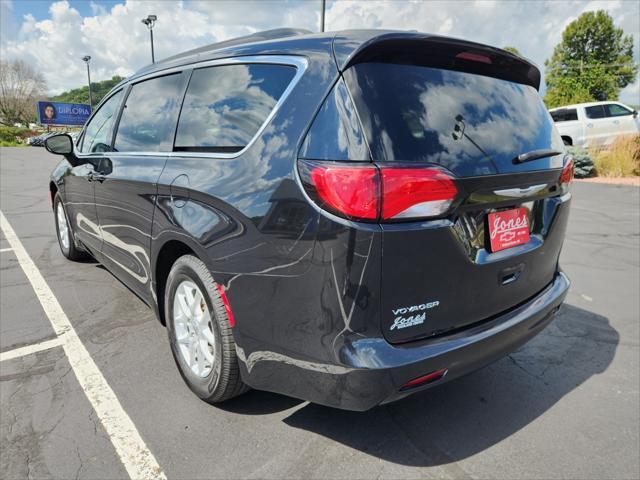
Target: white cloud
[{"x": 119, "y": 43}]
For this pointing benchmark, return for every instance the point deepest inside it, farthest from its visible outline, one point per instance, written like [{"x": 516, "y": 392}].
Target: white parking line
[
  {"x": 133, "y": 452},
  {"x": 29, "y": 349},
  {"x": 2, "y": 250}
]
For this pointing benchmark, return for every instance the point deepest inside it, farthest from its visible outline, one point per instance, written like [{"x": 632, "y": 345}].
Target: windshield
[{"x": 469, "y": 123}]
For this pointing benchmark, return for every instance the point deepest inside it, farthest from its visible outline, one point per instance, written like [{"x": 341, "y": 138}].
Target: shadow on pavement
[
  {"x": 469, "y": 415},
  {"x": 257, "y": 402}
]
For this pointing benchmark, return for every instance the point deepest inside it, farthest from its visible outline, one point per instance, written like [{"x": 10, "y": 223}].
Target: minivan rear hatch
[{"x": 474, "y": 115}]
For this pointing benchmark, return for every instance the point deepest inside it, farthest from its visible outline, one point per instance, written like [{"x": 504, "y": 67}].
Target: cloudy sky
[{"x": 54, "y": 35}]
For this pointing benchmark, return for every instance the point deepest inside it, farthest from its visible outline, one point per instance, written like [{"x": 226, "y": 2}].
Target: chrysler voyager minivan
[{"x": 345, "y": 218}]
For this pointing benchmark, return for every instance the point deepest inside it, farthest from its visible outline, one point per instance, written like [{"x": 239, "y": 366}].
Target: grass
[
  {"x": 11, "y": 143},
  {"x": 620, "y": 159}
]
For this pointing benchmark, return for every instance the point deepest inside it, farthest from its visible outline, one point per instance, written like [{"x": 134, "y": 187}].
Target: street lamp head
[
  {"x": 86, "y": 58},
  {"x": 150, "y": 20}
]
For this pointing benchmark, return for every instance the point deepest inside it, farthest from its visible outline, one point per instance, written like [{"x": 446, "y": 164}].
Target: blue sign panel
[{"x": 55, "y": 113}]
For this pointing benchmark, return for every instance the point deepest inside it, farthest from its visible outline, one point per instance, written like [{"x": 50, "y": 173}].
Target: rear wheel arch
[
  {"x": 171, "y": 251},
  {"x": 53, "y": 189}
]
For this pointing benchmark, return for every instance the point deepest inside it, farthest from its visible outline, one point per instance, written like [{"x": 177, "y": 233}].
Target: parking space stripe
[
  {"x": 29, "y": 349},
  {"x": 2, "y": 250},
  {"x": 129, "y": 445}
]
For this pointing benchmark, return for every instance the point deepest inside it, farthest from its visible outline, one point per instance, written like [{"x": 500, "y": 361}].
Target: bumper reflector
[{"x": 424, "y": 379}]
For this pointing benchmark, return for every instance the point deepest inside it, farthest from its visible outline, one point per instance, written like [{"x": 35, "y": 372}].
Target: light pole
[
  {"x": 322, "y": 6},
  {"x": 150, "y": 22},
  {"x": 86, "y": 59}
]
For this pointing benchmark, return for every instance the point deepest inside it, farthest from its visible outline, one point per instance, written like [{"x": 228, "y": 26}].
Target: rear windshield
[{"x": 469, "y": 123}]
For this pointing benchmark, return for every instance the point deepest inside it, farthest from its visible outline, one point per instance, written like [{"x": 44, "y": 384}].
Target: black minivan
[{"x": 345, "y": 217}]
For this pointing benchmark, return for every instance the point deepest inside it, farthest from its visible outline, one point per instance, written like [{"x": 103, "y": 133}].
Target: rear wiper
[{"x": 535, "y": 155}]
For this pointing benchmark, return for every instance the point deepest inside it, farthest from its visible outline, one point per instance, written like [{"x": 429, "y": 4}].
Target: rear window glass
[
  {"x": 597, "y": 111},
  {"x": 469, "y": 123},
  {"x": 225, "y": 106},
  {"x": 564, "y": 115},
  {"x": 149, "y": 115}
]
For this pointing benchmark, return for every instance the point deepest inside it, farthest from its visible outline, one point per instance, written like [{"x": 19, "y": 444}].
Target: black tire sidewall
[
  {"x": 182, "y": 270},
  {"x": 65, "y": 251}
]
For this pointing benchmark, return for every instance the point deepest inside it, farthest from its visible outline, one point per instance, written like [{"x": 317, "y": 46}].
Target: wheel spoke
[
  {"x": 201, "y": 365},
  {"x": 204, "y": 348},
  {"x": 197, "y": 305},
  {"x": 184, "y": 305},
  {"x": 207, "y": 335},
  {"x": 193, "y": 348},
  {"x": 184, "y": 338}
]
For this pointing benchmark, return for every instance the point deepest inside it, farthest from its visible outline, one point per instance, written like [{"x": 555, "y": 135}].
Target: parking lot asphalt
[{"x": 566, "y": 405}]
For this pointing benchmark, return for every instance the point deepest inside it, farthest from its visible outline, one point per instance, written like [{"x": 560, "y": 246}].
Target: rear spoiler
[{"x": 434, "y": 51}]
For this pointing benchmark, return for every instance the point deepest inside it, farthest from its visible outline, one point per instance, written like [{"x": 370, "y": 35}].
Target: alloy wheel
[{"x": 193, "y": 328}]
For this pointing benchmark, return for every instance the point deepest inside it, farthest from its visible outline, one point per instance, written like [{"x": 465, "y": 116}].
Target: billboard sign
[{"x": 56, "y": 113}]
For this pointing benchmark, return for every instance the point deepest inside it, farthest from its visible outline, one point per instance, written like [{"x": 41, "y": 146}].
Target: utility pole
[
  {"x": 150, "y": 21},
  {"x": 323, "y": 5},
  {"x": 86, "y": 59}
]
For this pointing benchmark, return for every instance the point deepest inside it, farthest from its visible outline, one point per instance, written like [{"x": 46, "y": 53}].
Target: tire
[
  {"x": 66, "y": 237},
  {"x": 566, "y": 142},
  {"x": 205, "y": 357}
]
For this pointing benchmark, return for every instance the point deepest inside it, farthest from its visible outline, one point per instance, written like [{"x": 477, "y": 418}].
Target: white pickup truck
[{"x": 596, "y": 123}]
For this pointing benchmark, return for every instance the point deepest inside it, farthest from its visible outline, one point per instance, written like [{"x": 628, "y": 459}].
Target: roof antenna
[{"x": 323, "y": 4}]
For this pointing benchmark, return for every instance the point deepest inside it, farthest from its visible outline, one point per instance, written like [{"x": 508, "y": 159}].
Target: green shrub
[
  {"x": 9, "y": 143},
  {"x": 9, "y": 134},
  {"x": 583, "y": 163}
]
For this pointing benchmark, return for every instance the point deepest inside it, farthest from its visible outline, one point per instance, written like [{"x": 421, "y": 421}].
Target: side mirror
[
  {"x": 635, "y": 114},
  {"x": 59, "y": 144},
  {"x": 62, "y": 144}
]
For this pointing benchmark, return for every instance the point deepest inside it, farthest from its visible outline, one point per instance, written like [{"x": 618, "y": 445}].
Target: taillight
[
  {"x": 416, "y": 192},
  {"x": 362, "y": 191},
  {"x": 348, "y": 190},
  {"x": 474, "y": 57},
  {"x": 567, "y": 171}
]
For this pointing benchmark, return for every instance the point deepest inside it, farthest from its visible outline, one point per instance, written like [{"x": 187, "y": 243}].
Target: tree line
[
  {"x": 593, "y": 61},
  {"x": 21, "y": 87}
]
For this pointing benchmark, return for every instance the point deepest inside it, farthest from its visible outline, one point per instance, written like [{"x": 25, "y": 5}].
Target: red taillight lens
[
  {"x": 416, "y": 192},
  {"x": 567, "y": 171},
  {"x": 362, "y": 191},
  {"x": 474, "y": 57},
  {"x": 348, "y": 190}
]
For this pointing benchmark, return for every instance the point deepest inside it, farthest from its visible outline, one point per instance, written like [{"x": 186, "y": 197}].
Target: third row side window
[{"x": 225, "y": 106}]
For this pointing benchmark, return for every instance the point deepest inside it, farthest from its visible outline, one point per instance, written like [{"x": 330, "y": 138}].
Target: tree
[
  {"x": 81, "y": 94},
  {"x": 594, "y": 61},
  {"x": 513, "y": 50},
  {"x": 20, "y": 88}
]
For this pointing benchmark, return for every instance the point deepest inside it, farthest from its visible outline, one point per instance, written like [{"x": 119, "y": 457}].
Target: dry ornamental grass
[{"x": 620, "y": 159}]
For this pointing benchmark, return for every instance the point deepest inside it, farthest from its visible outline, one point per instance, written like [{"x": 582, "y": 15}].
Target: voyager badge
[{"x": 411, "y": 316}]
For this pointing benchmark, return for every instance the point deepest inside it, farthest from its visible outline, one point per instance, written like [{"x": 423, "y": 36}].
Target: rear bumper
[{"x": 371, "y": 371}]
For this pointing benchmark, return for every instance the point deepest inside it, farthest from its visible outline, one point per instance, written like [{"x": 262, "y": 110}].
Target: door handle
[
  {"x": 589, "y": 125},
  {"x": 616, "y": 121},
  {"x": 94, "y": 177}
]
